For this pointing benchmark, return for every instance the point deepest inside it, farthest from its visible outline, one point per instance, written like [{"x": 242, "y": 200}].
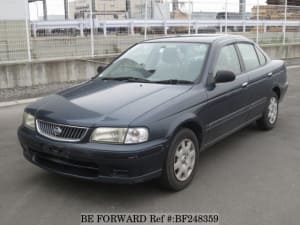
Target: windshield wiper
[
  {"x": 142, "y": 80},
  {"x": 129, "y": 79},
  {"x": 173, "y": 81}
]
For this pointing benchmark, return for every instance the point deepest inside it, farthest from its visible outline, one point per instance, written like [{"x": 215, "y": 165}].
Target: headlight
[
  {"x": 29, "y": 120},
  {"x": 136, "y": 135},
  {"x": 119, "y": 135},
  {"x": 110, "y": 135}
]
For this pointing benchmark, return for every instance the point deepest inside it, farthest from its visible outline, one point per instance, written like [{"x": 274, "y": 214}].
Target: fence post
[
  {"x": 226, "y": 15},
  {"x": 27, "y": 30},
  {"x": 146, "y": 17},
  {"x": 92, "y": 30},
  {"x": 285, "y": 17},
  {"x": 104, "y": 29},
  {"x": 257, "y": 20},
  {"x": 165, "y": 29},
  {"x": 190, "y": 16}
]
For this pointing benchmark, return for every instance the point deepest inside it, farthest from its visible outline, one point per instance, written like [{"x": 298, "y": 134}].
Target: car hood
[{"x": 105, "y": 103}]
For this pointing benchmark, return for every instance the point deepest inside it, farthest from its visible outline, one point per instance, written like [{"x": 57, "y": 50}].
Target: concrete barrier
[
  {"x": 285, "y": 52},
  {"x": 41, "y": 73},
  {"x": 61, "y": 71}
]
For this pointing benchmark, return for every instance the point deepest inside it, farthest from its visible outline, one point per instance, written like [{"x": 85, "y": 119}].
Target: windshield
[{"x": 154, "y": 62}]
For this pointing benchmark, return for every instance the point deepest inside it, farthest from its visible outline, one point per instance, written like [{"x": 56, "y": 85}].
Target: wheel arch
[
  {"x": 277, "y": 91},
  {"x": 191, "y": 122}
]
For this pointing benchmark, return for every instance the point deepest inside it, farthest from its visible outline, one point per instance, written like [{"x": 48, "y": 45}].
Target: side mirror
[
  {"x": 100, "y": 69},
  {"x": 224, "y": 76}
]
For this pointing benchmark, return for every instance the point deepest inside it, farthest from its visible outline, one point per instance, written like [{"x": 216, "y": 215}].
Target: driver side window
[{"x": 228, "y": 60}]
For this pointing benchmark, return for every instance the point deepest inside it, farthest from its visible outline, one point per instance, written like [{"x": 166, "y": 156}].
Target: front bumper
[{"x": 92, "y": 161}]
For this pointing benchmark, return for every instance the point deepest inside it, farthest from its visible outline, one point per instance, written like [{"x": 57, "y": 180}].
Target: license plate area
[{"x": 55, "y": 150}]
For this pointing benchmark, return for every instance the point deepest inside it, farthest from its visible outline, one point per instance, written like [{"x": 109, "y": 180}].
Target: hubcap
[
  {"x": 273, "y": 110},
  {"x": 184, "y": 162}
]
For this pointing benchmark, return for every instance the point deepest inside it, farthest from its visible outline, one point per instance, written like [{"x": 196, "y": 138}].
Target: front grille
[{"x": 60, "y": 132}]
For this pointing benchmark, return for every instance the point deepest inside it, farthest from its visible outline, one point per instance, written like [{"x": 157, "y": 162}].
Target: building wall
[
  {"x": 110, "y": 9},
  {"x": 104, "y": 9},
  {"x": 137, "y": 9},
  {"x": 72, "y": 10},
  {"x": 160, "y": 10},
  {"x": 116, "y": 9}
]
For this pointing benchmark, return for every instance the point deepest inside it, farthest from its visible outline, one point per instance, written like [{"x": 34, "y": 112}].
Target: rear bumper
[{"x": 97, "y": 162}]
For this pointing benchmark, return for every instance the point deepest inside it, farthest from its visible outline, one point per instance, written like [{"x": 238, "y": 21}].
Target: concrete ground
[{"x": 252, "y": 177}]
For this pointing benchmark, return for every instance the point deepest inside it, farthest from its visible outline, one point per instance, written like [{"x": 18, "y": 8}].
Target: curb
[
  {"x": 18, "y": 102},
  {"x": 29, "y": 100}
]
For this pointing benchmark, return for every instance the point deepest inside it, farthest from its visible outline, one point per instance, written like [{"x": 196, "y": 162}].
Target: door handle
[
  {"x": 270, "y": 74},
  {"x": 245, "y": 84}
]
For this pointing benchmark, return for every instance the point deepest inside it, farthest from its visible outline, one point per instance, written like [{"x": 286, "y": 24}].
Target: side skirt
[{"x": 205, "y": 146}]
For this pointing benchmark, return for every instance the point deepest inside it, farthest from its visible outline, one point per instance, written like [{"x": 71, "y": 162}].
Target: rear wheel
[
  {"x": 181, "y": 161},
  {"x": 270, "y": 115}
]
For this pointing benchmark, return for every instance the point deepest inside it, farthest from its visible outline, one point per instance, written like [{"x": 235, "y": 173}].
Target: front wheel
[
  {"x": 181, "y": 161},
  {"x": 270, "y": 115}
]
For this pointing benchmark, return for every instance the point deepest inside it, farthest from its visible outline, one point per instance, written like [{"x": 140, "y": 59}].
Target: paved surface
[{"x": 252, "y": 177}]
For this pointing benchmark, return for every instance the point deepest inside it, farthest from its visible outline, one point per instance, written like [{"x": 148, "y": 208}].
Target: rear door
[
  {"x": 260, "y": 83},
  {"x": 227, "y": 105}
]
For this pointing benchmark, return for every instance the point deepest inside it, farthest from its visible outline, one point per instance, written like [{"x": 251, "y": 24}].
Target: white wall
[{"x": 12, "y": 10}]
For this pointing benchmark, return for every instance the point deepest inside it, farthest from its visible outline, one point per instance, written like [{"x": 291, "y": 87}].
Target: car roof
[{"x": 202, "y": 38}]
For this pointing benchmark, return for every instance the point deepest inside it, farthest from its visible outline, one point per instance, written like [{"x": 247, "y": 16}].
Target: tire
[
  {"x": 183, "y": 154},
  {"x": 270, "y": 115}
]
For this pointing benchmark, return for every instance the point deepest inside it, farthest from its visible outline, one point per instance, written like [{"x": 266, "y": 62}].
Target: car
[{"x": 150, "y": 113}]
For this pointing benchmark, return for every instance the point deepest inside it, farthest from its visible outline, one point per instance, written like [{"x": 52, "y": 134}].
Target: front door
[{"x": 227, "y": 106}]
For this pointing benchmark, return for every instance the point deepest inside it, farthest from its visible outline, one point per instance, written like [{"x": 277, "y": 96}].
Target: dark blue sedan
[{"x": 153, "y": 109}]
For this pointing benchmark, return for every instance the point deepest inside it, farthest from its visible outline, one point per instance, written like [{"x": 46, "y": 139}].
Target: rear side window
[
  {"x": 249, "y": 56},
  {"x": 228, "y": 60},
  {"x": 262, "y": 58}
]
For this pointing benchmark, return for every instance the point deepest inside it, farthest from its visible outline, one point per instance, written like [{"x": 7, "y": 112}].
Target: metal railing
[{"x": 194, "y": 25}]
